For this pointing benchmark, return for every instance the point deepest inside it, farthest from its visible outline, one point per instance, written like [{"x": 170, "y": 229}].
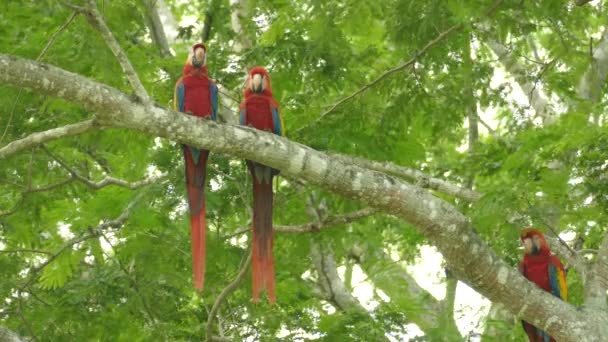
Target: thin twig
[
  {"x": 24, "y": 250},
  {"x": 401, "y": 67},
  {"x": 105, "y": 181},
  {"x": 315, "y": 226},
  {"x": 225, "y": 292}
]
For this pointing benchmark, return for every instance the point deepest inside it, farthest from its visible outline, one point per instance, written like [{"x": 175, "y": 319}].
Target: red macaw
[
  {"x": 544, "y": 269},
  {"x": 196, "y": 94},
  {"x": 260, "y": 110}
]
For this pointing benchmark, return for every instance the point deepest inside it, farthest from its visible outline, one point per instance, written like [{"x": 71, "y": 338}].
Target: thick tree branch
[
  {"x": 595, "y": 295},
  {"x": 38, "y": 138},
  {"x": 157, "y": 31},
  {"x": 7, "y": 335},
  {"x": 237, "y": 14},
  {"x": 592, "y": 81},
  {"x": 225, "y": 292},
  {"x": 470, "y": 258},
  {"x": 333, "y": 287}
]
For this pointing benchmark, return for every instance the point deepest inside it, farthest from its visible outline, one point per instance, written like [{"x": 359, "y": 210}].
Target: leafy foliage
[{"x": 132, "y": 281}]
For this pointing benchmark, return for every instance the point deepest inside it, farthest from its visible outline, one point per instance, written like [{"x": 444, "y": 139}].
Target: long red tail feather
[
  {"x": 196, "y": 170},
  {"x": 263, "y": 235}
]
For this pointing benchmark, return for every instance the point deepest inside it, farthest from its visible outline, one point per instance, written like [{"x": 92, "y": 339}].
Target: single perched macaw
[
  {"x": 545, "y": 270},
  {"x": 196, "y": 94},
  {"x": 260, "y": 110}
]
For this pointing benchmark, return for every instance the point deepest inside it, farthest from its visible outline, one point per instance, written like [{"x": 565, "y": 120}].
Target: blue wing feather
[
  {"x": 242, "y": 117},
  {"x": 277, "y": 122},
  {"x": 557, "y": 279},
  {"x": 180, "y": 94},
  {"x": 214, "y": 105}
]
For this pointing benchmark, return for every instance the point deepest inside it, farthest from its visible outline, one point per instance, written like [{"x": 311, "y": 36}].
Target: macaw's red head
[
  {"x": 534, "y": 242},
  {"x": 258, "y": 82},
  {"x": 198, "y": 56}
]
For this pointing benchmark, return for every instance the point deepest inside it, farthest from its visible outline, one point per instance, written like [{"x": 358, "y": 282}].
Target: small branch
[
  {"x": 96, "y": 20},
  {"x": 536, "y": 98},
  {"x": 93, "y": 233},
  {"x": 132, "y": 280},
  {"x": 581, "y": 2},
  {"x": 206, "y": 33},
  {"x": 105, "y": 181},
  {"x": 38, "y": 138},
  {"x": 401, "y": 67},
  {"x": 314, "y": 226},
  {"x": 423, "y": 180},
  {"x": 23, "y": 250},
  {"x": 225, "y": 292}
]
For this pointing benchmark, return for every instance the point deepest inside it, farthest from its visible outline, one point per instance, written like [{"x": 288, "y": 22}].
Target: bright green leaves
[{"x": 57, "y": 273}]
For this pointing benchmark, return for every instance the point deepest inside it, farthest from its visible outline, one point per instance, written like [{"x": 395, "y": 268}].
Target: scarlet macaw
[
  {"x": 544, "y": 269},
  {"x": 196, "y": 94},
  {"x": 260, "y": 110}
]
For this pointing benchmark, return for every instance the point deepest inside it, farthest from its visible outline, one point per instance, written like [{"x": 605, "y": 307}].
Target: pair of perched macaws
[
  {"x": 545, "y": 270},
  {"x": 196, "y": 94}
]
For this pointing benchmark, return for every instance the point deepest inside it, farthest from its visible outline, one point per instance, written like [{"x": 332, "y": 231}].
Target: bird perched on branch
[
  {"x": 196, "y": 94},
  {"x": 545, "y": 270},
  {"x": 260, "y": 110}
]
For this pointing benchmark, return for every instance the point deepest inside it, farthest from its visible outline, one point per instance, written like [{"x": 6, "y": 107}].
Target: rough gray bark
[
  {"x": 595, "y": 291},
  {"x": 329, "y": 281},
  {"x": 7, "y": 335},
  {"x": 590, "y": 85},
  {"x": 236, "y": 16},
  {"x": 157, "y": 31},
  {"x": 470, "y": 258}
]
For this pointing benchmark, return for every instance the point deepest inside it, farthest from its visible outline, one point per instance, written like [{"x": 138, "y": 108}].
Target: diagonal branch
[
  {"x": 595, "y": 295},
  {"x": 93, "y": 233},
  {"x": 536, "y": 98},
  {"x": 7, "y": 335},
  {"x": 401, "y": 67},
  {"x": 38, "y": 138},
  {"x": 96, "y": 20},
  {"x": 157, "y": 31},
  {"x": 592, "y": 81},
  {"x": 104, "y": 182},
  {"x": 225, "y": 292},
  {"x": 423, "y": 180},
  {"x": 315, "y": 226}
]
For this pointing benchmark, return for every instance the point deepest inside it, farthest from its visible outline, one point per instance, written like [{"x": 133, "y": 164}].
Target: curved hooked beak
[
  {"x": 198, "y": 59},
  {"x": 257, "y": 83}
]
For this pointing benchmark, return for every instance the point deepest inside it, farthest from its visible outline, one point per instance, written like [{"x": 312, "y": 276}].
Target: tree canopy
[{"x": 408, "y": 123}]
